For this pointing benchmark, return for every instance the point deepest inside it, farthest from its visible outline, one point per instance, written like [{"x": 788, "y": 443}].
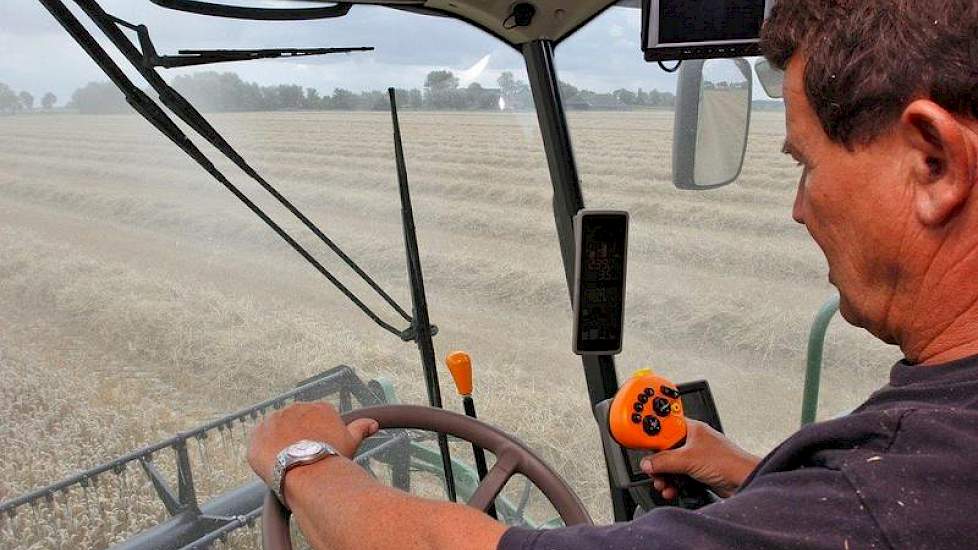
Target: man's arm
[{"x": 338, "y": 505}]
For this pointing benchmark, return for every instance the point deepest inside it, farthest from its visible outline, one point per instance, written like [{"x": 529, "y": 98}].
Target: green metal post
[{"x": 816, "y": 344}]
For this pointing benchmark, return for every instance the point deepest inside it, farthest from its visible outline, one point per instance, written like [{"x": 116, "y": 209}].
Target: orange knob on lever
[{"x": 460, "y": 365}]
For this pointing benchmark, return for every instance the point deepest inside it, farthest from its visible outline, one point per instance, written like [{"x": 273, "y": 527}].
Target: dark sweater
[{"x": 901, "y": 471}]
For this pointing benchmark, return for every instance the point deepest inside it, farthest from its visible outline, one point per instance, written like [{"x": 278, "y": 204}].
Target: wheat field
[{"x": 139, "y": 299}]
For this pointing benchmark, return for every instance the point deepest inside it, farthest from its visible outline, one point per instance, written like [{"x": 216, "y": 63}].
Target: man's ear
[{"x": 942, "y": 161}]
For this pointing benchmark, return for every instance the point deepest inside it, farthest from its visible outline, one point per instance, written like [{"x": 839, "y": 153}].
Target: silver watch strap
[{"x": 284, "y": 462}]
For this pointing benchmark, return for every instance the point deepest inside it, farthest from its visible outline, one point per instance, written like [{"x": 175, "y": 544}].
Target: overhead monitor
[{"x": 702, "y": 29}]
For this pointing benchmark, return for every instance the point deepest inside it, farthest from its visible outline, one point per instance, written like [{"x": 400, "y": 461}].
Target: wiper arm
[{"x": 187, "y": 58}]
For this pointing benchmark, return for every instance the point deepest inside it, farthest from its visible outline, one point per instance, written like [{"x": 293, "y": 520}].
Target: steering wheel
[{"x": 512, "y": 457}]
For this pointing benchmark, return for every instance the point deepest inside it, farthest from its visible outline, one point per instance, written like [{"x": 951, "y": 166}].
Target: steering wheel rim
[{"x": 512, "y": 457}]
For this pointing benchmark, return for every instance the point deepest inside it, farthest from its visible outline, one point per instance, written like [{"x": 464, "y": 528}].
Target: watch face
[{"x": 305, "y": 449}]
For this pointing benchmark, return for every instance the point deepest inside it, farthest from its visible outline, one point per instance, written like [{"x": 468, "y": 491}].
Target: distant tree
[
  {"x": 344, "y": 100},
  {"x": 441, "y": 90},
  {"x": 27, "y": 100},
  {"x": 642, "y": 97},
  {"x": 222, "y": 92},
  {"x": 568, "y": 92},
  {"x": 48, "y": 101},
  {"x": 285, "y": 96},
  {"x": 9, "y": 102},
  {"x": 627, "y": 97},
  {"x": 98, "y": 98},
  {"x": 441, "y": 80},
  {"x": 409, "y": 99},
  {"x": 515, "y": 93},
  {"x": 313, "y": 100}
]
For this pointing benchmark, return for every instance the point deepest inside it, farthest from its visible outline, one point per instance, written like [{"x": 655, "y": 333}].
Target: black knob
[
  {"x": 637, "y": 418},
  {"x": 669, "y": 392},
  {"x": 661, "y": 406},
  {"x": 651, "y": 425},
  {"x": 642, "y": 398},
  {"x": 638, "y": 407}
]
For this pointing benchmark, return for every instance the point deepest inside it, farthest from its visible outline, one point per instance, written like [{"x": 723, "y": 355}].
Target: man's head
[{"x": 882, "y": 113}]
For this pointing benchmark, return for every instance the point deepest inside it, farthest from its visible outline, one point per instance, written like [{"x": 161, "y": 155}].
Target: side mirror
[
  {"x": 713, "y": 104},
  {"x": 772, "y": 80}
]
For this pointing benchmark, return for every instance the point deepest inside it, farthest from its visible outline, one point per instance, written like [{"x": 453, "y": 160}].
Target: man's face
[{"x": 855, "y": 204}]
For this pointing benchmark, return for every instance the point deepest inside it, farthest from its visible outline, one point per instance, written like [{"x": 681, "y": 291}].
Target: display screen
[
  {"x": 693, "y": 21},
  {"x": 601, "y": 292}
]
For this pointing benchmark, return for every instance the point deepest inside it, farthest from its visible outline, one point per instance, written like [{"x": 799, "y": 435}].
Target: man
[{"x": 882, "y": 116}]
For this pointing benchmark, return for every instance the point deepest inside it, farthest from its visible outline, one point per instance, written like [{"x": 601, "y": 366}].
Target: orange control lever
[
  {"x": 460, "y": 365},
  {"x": 647, "y": 413}
]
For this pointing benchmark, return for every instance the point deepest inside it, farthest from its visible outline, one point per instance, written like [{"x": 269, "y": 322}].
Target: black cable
[
  {"x": 159, "y": 119},
  {"x": 179, "y": 105},
  {"x": 673, "y": 69}
]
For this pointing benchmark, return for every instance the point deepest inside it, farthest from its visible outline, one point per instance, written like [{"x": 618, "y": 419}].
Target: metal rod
[
  {"x": 813, "y": 368},
  {"x": 422, "y": 327},
  {"x": 599, "y": 370},
  {"x": 478, "y": 452}
]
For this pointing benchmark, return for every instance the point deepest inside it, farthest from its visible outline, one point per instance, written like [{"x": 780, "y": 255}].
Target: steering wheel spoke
[{"x": 506, "y": 465}]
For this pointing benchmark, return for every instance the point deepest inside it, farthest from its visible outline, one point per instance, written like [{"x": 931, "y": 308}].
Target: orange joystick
[
  {"x": 647, "y": 413},
  {"x": 460, "y": 365}
]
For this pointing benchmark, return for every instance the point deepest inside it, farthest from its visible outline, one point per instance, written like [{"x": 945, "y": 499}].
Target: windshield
[{"x": 139, "y": 299}]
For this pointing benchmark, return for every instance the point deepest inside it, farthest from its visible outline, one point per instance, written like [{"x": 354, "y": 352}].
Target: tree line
[
  {"x": 12, "y": 102},
  {"x": 227, "y": 92}
]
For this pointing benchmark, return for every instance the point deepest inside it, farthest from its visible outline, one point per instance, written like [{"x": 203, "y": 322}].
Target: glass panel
[
  {"x": 722, "y": 284},
  {"x": 139, "y": 299}
]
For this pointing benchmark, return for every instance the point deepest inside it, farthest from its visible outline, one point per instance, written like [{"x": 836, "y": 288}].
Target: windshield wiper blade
[{"x": 187, "y": 58}]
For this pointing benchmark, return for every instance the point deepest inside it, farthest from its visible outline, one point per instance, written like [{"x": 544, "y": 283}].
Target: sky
[{"x": 36, "y": 55}]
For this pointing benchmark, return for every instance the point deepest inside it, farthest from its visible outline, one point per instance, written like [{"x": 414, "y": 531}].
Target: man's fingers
[
  {"x": 361, "y": 429},
  {"x": 666, "y": 462}
]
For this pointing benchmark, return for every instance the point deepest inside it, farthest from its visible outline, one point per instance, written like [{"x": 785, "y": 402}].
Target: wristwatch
[{"x": 299, "y": 453}]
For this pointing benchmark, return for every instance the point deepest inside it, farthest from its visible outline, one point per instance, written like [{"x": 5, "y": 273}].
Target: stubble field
[{"x": 138, "y": 298}]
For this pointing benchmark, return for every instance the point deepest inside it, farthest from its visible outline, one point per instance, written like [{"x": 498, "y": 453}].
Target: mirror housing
[{"x": 713, "y": 105}]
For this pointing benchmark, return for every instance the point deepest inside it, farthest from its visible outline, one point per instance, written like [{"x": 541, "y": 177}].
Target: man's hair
[{"x": 869, "y": 59}]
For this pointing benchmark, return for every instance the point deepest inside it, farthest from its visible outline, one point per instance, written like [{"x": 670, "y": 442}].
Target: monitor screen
[
  {"x": 601, "y": 293},
  {"x": 697, "y": 21}
]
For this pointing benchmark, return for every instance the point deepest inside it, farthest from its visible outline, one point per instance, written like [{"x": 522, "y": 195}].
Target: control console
[{"x": 647, "y": 415}]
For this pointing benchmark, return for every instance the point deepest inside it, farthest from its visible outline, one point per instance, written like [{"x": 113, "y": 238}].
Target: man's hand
[
  {"x": 707, "y": 456},
  {"x": 316, "y": 421}
]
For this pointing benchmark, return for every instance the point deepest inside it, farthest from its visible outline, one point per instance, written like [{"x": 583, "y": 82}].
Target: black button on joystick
[
  {"x": 648, "y": 391},
  {"x": 638, "y": 407},
  {"x": 642, "y": 398},
  {"x": 637, "y": 418},
  {"x": 651, "y": 425},
  {"x": 669, "y": 392},
  {"x": 661, "y": 406}
]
